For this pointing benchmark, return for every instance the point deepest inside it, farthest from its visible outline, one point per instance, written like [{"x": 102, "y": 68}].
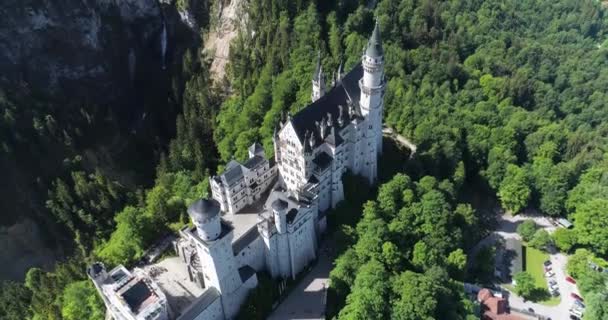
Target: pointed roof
[
  {"x": 374, "y": 45},
  {"x": 318, "y": 75},
  {"x": 345, "y": 93},
  {"x": 256, "y": 148}
]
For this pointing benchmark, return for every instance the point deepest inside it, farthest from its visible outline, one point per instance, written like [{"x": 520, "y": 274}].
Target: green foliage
[
  {"x": 80, "y": 300},
  {"x": 456, "y": 262},
  {"x": 527, "y": 229},
  {"x": 514, "y": 191},
  {"x": 524, "y": 284},
  {"x": 564, "y": 239},
  {"x": 589, "y": 280},
  {"x": 14, "y": 301},
  {"x": 541, "y": 239},
  {"x": 412, "y": 228},
  {"x": 258, "y": 304},
  {"x": 369, "y": 293},
  {"x": 591, "y": 224},
  {"x": 482, "y": 271},
  {"x": 86, "y": 205},
  {"x": 596, "y": 306},
  {"x": 47, "y": 288},
  {"x": 126, "y": 243}
]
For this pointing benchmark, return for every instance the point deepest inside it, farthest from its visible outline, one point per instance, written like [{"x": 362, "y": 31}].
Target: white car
[{"x": 549, "y": 274}]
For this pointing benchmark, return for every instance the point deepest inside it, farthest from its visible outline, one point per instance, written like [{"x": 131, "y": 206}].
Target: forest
[{"x": 504, "y": 99}]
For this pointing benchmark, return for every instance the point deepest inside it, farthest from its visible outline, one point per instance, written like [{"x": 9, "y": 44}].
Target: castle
[{"x": 266, "y": 214}]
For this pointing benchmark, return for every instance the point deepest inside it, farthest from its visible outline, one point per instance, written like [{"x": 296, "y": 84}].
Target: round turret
[
  {"x": 205, "y": 214},
  {"x": 279, "y": 209},
  {"x": 97, "y": 272}
]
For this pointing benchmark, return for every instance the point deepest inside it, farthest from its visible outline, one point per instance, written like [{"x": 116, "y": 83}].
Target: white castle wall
[{"x": 253, "y": 255}]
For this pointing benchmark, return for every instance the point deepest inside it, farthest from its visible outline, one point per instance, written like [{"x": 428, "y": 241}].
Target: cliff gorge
[{"x": 85, "y": 85}]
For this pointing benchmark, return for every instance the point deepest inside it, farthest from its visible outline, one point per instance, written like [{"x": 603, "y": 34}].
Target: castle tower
[
  {"x": 318, "y": 81},
  {"x": 205, "y": 215},
  {"x": 214, "y": 247},
  {"x": 372, "y": 86},
  {"x": 279, "y": 210}
]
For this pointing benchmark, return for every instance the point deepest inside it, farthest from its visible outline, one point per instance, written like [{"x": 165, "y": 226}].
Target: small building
[
  {"x": 513, "y": 258},
  {"x": 494, "y": 308},
  {"x": 129, "y": 295},
  {"x": 564, "y": 223}
]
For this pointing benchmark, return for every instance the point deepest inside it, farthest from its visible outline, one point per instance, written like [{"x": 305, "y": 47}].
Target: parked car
[
  {"x": 547, "y": 263},
  {"x": 548, "y": 268},
  {"x": 576, "y": 296},
  {"x": 579, "y": 304},
  {"x": 552, "y": 282},
  {"x": 549, "y": 274},
  {"x": 555, "y": 293},
  {"x": 573, "y": 317},
  {"x": 570, "y": 279}
]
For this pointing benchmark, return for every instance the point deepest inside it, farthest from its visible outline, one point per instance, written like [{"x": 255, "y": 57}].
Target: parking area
[{"x": 567, "y": 303}]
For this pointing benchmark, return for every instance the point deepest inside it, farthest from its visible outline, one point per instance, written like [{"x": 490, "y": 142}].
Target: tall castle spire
[
  {"x": 318, "y": 81},
  {"x": 374, "y": 45},
  {"x": 371, "y": 100}
]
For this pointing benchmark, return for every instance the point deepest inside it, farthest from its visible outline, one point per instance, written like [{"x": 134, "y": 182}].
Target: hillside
[{"x": 504, "y": 100}]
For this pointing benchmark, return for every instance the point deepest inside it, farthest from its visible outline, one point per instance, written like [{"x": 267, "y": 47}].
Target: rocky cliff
[
  {"x": 114, "y": 59},
  {"x": 79, "y": 46}
]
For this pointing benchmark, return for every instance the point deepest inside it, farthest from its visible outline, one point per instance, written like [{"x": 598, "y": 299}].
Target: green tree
[
  {"x": 541, "y": 239},
  {"x": 514, "y": 191},
  {"x": 81, "y": 301},
  {"x": 15, "y": 300},
  {"x": 127, "y": 242},
  {"x": 457, "y": 261},
  {"x": 416, "y": 297},
  {"x": 527, "y": 229},
  {"x": 591, "y": 224},
  {"x": 564, "y": 239},
  {"x": 367, "y": 299},
  {"x": 524, "y": 284},
  {"x": 596, "y": 306}
]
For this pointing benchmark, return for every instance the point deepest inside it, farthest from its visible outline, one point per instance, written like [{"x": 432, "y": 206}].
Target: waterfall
[{"x": 163, "y": 43}]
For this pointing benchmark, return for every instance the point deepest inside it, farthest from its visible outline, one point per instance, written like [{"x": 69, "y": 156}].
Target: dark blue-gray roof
[
  {"x": 233, "y": 174},
  {"x": 246, "y": 272},
  {"x": 345, "y": 92},
  {"x": 374, "y": 45},
  {"x": 323, "y": 160},
  {"x": 204, "y": 301},
  {"x": 291, "y": 215},
  {"x": 279, "y": 204},
  {"x": 203, "y": 209},
  {"x": 253, "y": 162}
]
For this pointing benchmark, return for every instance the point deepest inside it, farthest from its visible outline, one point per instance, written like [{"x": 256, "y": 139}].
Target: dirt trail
[{"x": 230, "y": 18}]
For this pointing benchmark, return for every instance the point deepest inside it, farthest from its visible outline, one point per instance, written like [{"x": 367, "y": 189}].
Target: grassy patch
[{"x": 534, "y": 265}]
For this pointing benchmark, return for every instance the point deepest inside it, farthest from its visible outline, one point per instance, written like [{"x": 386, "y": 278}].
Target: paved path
[
  {"x": 506, "y": 229},
  {"x": 307, "y": 300},
  {"x": 400, "y": 139}
]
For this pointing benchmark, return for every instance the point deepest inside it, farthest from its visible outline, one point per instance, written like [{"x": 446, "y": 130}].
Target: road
[
  {"x": 307, "y": 300},
  {"x": 507, "y": 228}
]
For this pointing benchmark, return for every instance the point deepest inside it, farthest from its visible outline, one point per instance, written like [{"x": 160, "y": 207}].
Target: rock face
[
  {"x": 22, "y": 246},
  {"x": 59, "y": 44},
  {"x": 230, "y": 19}
]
